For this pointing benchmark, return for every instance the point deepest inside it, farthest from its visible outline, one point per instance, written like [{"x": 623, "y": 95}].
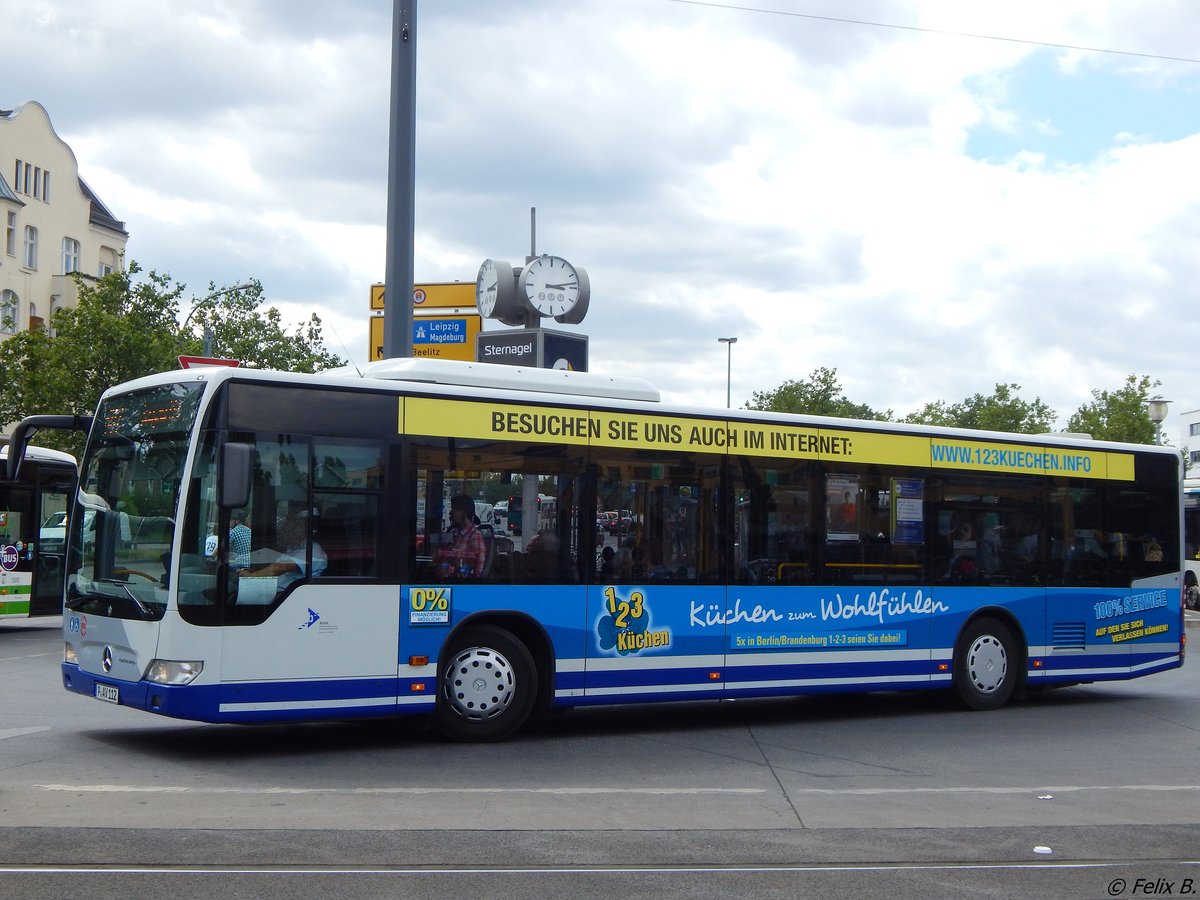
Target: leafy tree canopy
[
  {"x": 1119, "y": 415},
  {"x": 1002, "y": 411},
  {"x": 126, "y": 327},
  {"x": 820, "y": 395}
]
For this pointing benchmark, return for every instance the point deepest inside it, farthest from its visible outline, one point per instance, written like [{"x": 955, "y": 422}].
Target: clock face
[
  {"x": 551, "y": 285},
  {"x": 494, "y": 291},
  {"x": 486, "y": 288}
]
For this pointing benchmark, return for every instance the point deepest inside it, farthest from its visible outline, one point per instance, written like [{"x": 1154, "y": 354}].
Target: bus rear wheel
[
  {"x": 986, "y": 665},
  {"x": 487, "y": 686}
]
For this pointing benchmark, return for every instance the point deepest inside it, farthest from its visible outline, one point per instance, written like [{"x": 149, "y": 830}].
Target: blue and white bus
[
  {"x": 770, "y": 555},
  {"x": 1191, "y": 542},
  {"x": 33, "y": 517}
]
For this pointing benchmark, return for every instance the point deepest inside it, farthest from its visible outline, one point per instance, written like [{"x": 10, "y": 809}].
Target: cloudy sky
[{"x": 931, "y": 199}]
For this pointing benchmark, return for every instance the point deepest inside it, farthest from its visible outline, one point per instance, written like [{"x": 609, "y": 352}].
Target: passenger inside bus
[
  {"x": 465, "y": 554},
  {"x": 990, "y": 545},
  {"x": 292, "y": 564}
]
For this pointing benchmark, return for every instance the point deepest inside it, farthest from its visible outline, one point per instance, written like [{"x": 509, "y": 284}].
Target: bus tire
[
  {"x": 986, "y": 665},
  {"x": 487, "y": 685}
]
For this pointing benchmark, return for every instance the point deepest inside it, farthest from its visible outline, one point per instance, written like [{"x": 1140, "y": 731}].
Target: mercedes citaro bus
[{"x": 773, "y": 555}]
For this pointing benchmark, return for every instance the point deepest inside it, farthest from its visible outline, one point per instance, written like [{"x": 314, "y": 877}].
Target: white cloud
[{"x": 800, "y": 183}]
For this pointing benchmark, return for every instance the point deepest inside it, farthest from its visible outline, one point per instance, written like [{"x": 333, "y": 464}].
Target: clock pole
[{"x": 398, "y": 271}]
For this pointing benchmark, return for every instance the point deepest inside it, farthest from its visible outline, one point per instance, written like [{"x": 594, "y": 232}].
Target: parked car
[
  {"x": 53, "y": 534},
  {"x": 619, "y": 522},
  {"x": 486, "y": 514}
]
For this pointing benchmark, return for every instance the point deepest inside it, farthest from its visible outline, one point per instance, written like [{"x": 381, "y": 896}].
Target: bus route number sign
[{"x": 429, "y": 606}]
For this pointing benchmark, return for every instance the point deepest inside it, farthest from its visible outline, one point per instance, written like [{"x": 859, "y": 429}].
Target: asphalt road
[{"x": 1091, "y": 791}]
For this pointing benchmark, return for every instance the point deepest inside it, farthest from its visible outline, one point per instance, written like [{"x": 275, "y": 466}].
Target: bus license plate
[{"x": 108, "y": 693}]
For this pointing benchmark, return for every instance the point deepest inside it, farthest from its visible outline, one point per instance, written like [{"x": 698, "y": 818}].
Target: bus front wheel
[
  {"x": 986, "y": 665},
  {"x": 487, "y": 685}
]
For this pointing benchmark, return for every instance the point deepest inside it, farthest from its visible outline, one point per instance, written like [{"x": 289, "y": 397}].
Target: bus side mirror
[{"x": 233, "y": 479}]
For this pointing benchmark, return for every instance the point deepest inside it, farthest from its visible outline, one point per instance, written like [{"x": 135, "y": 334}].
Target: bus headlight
[
  {"x": 69, "y": 655},
  {"x": 170, "y": 671}
]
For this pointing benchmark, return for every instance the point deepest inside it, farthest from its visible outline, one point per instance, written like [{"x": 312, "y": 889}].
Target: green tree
[
  {"x": 1002, "y": 411},
  {"x": 1119, "y": 415},
  {"x": 125, "y": 327},
  {"x": 820, "y": 395},
  {"x": 240, "y": 329}
]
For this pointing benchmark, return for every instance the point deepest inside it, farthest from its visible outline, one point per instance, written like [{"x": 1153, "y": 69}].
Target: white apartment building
[
  {"x": 52, "y": 223},
  {"x": 1189, "y": 438}
]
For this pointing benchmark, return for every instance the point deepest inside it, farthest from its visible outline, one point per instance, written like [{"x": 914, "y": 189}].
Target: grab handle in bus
[{"x": 234, "y": 477}]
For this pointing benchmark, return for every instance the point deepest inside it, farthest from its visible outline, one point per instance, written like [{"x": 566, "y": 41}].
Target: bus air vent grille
[{"x": 1068, "y": 635}]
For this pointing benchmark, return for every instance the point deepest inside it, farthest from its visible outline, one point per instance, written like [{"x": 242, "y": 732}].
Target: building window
[
  {"x": 70, "y": 255},
  {"x": 32, "y": 180},
  {"x": 35, "y": 321},
  {"x": 10, "y": 235},
  {"x": 30, "y": 247},
  {"x": 1194, "y": 428},
  {"x": 9, "y": 312},
  {"x": 1195, "y": 454},
  {"x": 108, "y": 261}
]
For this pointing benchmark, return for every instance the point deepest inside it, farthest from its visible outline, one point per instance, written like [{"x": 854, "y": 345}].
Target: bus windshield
[{"x": 126, "y": 505}]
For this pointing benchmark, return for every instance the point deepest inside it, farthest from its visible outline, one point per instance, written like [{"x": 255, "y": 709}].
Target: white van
[{"x": 486, "y": 514}]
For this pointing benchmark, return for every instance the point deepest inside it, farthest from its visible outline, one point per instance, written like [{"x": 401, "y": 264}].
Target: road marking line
[
  {"x": 572, "y": 870},
  {"x": 1042, "y": 789},
  {"x": 20, "y": 732},
  {"x": 591, "y": 791},
  {"x": 557, "y": 791}
]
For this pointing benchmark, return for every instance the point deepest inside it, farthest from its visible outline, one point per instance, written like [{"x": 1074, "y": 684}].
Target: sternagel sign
[{"x": 535, "y": 347}]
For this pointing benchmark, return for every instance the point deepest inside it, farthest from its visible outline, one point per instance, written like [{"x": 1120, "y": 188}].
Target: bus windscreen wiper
[{"x": 83, "y": 601}]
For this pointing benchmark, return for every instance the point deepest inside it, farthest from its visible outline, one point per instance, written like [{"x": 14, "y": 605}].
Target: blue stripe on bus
[
  {"x": 262, "y": 701},
  {"x": 323, "y": 689},
  {"x": 635, "y": 677},
  {"x": 866, "y": 668}
]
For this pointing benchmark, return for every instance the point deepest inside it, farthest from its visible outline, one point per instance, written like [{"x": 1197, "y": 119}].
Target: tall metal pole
[
  {"x": 401, "y": 215},
  {"x": 728, "y": 342}
]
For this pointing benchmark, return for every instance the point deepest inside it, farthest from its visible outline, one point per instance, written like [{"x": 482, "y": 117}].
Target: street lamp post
[
  {"x": 729, "y": 342},
  {"x": 1157, "y": 410},
  {"x": 205, "y": 302}
]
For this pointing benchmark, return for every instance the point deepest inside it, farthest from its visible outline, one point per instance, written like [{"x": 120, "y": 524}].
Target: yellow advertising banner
[
  {"x": 982, "y": 456},
  {"x": 481, "y": 420}
]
